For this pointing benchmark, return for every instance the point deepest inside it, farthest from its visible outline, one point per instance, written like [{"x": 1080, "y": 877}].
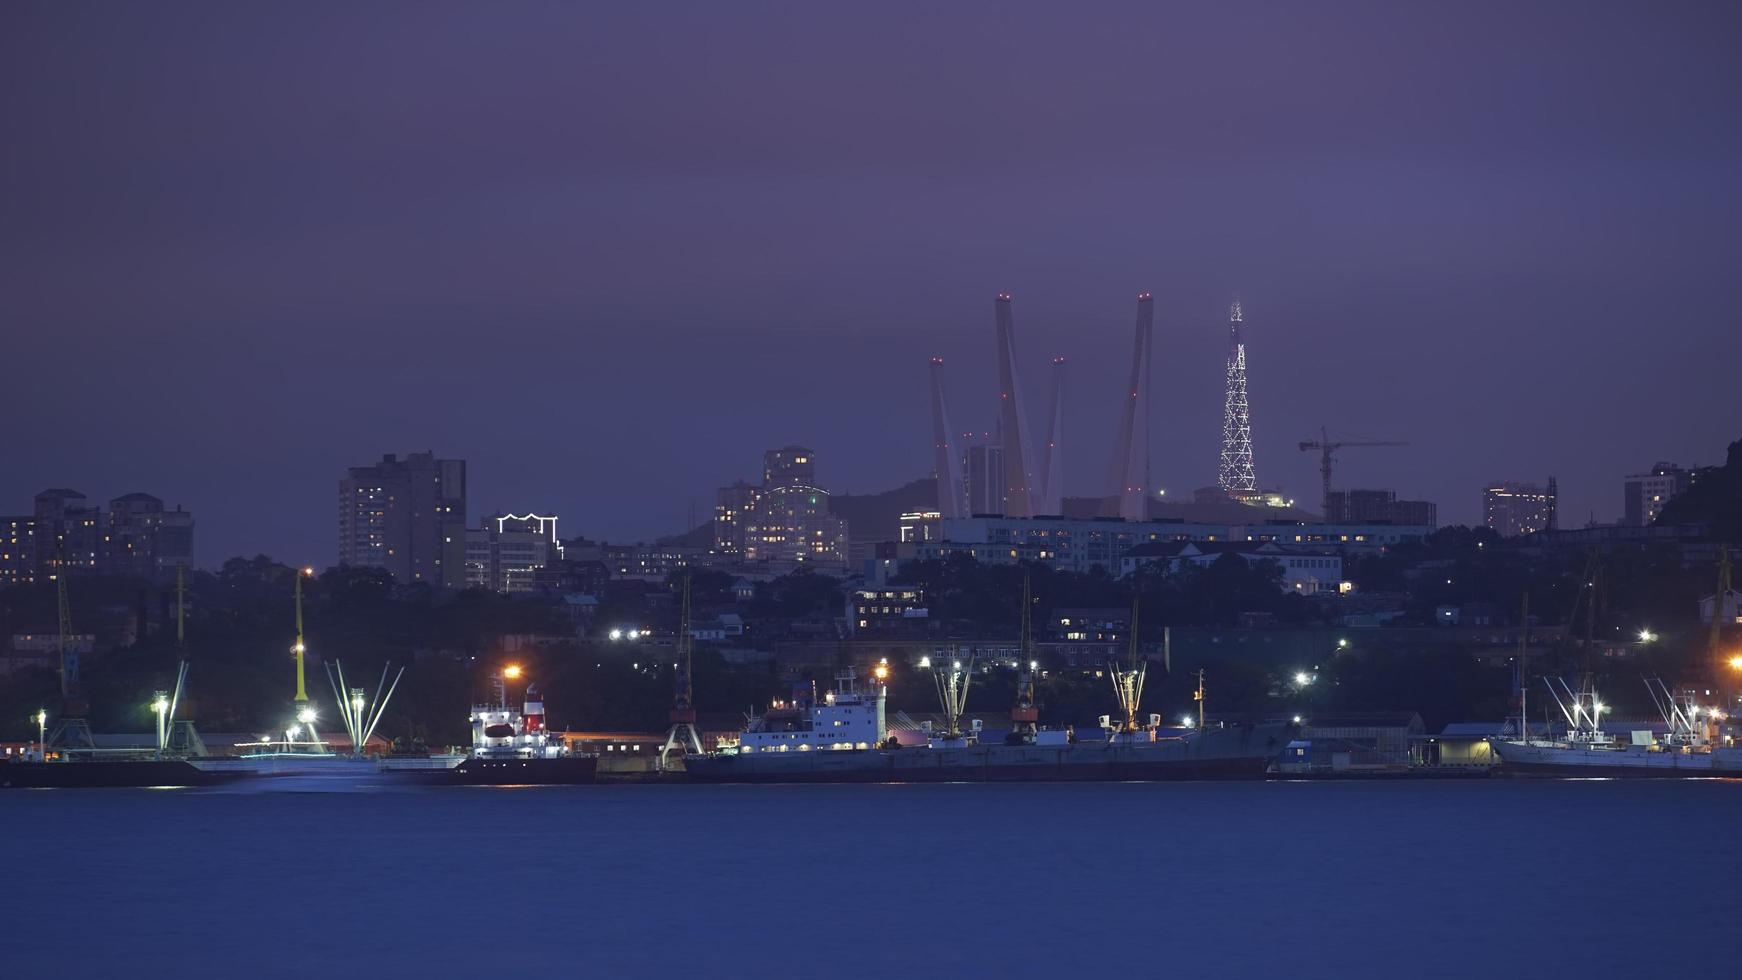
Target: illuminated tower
[
  {"x": 945, "y": 460},
  {"x": 1052, "y": 467},
  {"x": 1129, "y": 482},
  {"x": 1235, "y": 475},
  {"x": 1018, "y": 463}
]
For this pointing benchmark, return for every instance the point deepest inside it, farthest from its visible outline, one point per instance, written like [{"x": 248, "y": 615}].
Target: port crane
[
  {"x": 72, "y": 732},
  {"x": 1025, "y": 715},
  {"x": 1128, "y": 683},
  {"x": 1715, "y": 639},
  {"x": 683, "y": 734},
  {"x": 1326, "y": 449}
]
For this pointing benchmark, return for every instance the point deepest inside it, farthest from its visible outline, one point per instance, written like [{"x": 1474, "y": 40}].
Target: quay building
[{"x": 1118, "y": 546}]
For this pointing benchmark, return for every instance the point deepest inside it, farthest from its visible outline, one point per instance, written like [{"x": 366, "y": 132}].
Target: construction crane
[{"x": 1326, "y": 447}]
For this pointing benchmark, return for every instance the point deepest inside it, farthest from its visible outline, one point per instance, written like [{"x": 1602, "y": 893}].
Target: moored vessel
[
  {"x": 844, "y": 737},
  {"x": 510, "y": 747},
  {"x": 1693, "y": 745}
]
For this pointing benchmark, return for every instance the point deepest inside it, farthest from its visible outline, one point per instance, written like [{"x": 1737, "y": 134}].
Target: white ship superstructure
[
  {"x": 845, "y": 718},
  {"x": 502, "y": 732}
]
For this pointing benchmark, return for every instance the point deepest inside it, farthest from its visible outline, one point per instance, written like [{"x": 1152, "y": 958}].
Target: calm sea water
[{"x": 1592, "y": 879}]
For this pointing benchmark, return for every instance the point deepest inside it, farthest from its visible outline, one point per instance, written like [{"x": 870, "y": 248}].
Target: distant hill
[
  {"x": 875, "y": 517},
  {"x": 700, "y": 536},
  {"x": 1713, "y": 499}
]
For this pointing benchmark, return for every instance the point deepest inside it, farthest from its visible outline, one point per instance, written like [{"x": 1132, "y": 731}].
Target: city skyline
[{"x": 319, "y": 269}]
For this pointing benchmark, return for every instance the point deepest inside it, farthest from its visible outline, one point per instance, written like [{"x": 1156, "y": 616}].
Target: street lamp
[
  {"x": 1302, "y": 678},
  {"x": 42, "y": 734},
  {"x": 1646, "y": 636}
]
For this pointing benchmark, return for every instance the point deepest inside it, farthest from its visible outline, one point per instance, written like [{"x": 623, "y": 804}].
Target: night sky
[{"x": 608, "y": 253}]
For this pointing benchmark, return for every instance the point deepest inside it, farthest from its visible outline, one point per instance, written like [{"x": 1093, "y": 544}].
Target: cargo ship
[
  {"x": 71, "y": 757},
  {"x": 843, "y": 737},
  {"x": 90, "y": 773},
  {"x": 510, "y": 747},
  {"x": 1694, "y": 744}
]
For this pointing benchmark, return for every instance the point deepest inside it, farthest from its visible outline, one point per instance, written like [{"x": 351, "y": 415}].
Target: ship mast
[
  {"x": 1025, "y": 716},
  {"x": 1520, "y": 674},
  {"x": 1198, "y": 696}
]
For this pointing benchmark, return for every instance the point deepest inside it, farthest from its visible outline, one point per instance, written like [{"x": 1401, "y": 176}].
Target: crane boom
[{"x": 1326, "y": 448}]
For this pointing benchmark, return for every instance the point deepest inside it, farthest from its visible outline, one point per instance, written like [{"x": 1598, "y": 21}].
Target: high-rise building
[
  {"x": 793, "y": 525},
  {"x": 17, "y": 550},
  {"x": 68, "y": 533},
  {"x": 1644, "y": 494},
  {"x": 407, "y": 516},
  {"x": 789, "y": 466},
  {"x": 789, "y": 522},
  {"x": 146, "y": 540},
  {"x": 506, "y": 552},
  {"x": 1378, "y": 506},
  {"x": 138, "y": 537},
  {"x": 1511, "y": 509},
  {"x": 732, "y": 506},
  {"x": 983, "y": 478}
]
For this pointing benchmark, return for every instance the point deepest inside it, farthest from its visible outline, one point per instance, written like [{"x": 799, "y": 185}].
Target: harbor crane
[
  {"x": 1326, "y": 448},
  {"x": 682, "y": 735},
  {"x": 1025, "y": 715}
]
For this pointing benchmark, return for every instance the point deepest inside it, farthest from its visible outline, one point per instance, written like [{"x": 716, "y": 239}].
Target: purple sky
[{"x": 608, "y": 253}]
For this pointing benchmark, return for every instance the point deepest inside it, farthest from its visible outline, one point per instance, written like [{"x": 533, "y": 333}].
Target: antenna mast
[{"x": 1235, "y": 474}]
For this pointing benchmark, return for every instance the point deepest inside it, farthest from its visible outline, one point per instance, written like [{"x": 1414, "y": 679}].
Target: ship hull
[
  {"x": 1235, "y": 753},
  {"x": 295, "y": 772},
  {"x": 110, "y": 773},
  {"x": 1520, "y": 759},
  {"x": 564, "y": 771}
]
